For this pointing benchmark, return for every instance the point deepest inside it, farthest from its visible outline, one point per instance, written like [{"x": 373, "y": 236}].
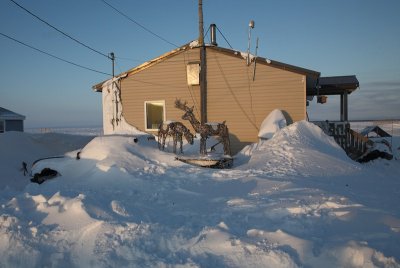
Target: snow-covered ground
[
  {"x": 295, "y": 200},
  {"x": 84, "y": 131}
]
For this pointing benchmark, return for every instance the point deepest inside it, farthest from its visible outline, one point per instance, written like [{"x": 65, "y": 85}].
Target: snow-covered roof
[
  {"x": 10, "y": 115},
  {"x": 379, "y": 131},
  {"x": 231, "y": 52}
]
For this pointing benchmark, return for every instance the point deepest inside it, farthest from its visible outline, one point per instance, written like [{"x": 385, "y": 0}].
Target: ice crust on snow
[{"x": 294, "y": 200}]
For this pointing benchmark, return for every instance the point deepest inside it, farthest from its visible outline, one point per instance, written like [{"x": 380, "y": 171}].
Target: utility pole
[
  {"x": 203, "y": 67},
  {"x": 112, "y": 58}
]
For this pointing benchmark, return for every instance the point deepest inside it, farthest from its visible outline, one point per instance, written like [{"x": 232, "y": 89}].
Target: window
[
  {"x": 2, "y": 126},
  {"x": 193, "y": 73},
  {"x": 154, "y": 112}
]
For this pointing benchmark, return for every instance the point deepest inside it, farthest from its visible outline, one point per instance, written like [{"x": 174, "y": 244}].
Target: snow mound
[
  {"x": 115, "y": 153},
  {"x": 299, "y": 149},
  {"x": 18, "y": 147},
  {"x": 297, "y": 202},
  {"x": 272, "y": 124}
]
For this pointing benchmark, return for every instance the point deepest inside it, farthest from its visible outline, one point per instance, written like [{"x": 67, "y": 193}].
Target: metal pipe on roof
[{"x": 213, "y": 33}]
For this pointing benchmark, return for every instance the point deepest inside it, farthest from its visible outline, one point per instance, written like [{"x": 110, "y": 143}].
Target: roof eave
[
  {"x": 273, "y": 63},
  {"x": 292, "y": 68},
  {"x": 98, "y": 87}
]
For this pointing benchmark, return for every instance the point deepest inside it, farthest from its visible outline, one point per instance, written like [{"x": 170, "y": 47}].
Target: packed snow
[
  {"x": 294, "y": 200},
  {"x": 274, "y": 122}
]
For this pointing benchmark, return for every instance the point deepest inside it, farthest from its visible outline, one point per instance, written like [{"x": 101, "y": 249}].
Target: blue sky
[{"x": 341, "y": 37}]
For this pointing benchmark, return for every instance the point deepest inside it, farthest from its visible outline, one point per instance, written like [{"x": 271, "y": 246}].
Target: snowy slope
[
  {"x": 18, "y": 147},
  {"x": 295, "y": 200}
]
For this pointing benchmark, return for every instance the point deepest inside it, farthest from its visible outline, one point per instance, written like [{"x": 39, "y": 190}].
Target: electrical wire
[
  {"x": 58, "y": 30},
  {"x": 129, "y": 59},
  {"x": 51, "y": 55},
  {"x": 137, "y": 23},
  {"x": 224, "y": 37}
]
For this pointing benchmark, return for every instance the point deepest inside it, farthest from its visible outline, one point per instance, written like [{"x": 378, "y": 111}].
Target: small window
[
  {"x": 193, "y": 73},
  {"x": 154, "y": 112},
  {"x": 2, "y": 126}
]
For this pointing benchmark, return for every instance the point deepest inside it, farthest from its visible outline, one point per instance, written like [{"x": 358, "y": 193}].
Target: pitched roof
[
  {"x": 273, "y": 63},
  {"x": 379, "y": 131},
  {"x": 10, "y": 115},
  {"x": 231, "y": 52}
]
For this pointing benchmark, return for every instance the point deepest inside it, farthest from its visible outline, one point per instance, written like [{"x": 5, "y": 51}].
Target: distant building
[{"x": 10, "y": 121}]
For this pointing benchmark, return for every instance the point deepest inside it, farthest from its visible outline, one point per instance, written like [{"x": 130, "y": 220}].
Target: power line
[
  {"x": 129, "y": 59},
  {"x": 51, "y": 55},
  {"x": 58, "y": 30},
  {"x": 224, "y": 37},
  {"x": 138, "y": 24}
]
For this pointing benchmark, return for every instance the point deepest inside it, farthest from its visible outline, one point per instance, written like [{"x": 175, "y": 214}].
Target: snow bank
[
  {"x": 296, "y": 200},
  {"x": 299, "y": 149},
  {"x": 18, "y": 147}
]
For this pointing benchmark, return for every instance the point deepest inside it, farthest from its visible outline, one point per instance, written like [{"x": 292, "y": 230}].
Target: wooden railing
[{"x": 353, "y": 143}]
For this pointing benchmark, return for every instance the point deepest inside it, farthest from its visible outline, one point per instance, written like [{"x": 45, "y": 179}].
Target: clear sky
[{"x": 341, "y": 37}]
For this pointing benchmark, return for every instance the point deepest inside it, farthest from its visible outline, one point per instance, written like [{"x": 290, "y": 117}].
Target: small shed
[
  {"x": 10, "y": 121},
  {"x": 375, "y": 129}
]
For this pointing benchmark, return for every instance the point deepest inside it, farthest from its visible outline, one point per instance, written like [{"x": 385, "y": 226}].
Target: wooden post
[
  {"x": 201, "y": 28},
  {"x": 346, "y": 107},
  {"x": 203, "y": 67}
]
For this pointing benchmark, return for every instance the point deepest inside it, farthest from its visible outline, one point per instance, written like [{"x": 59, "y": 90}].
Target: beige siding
[
  {"x": 162, "y": 81},
  {"x": 234, "y": 96}
]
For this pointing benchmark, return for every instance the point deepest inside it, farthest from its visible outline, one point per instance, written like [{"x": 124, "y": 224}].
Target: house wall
[
  {"x": 232, "y": 95},
  {"x": 14, "y": 125},
  {"x": 166, "y": 81}
]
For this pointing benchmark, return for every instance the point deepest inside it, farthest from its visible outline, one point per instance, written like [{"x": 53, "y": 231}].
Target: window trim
[
  {"x": 145, "y": 113},
  {"x": 189, "y": 77}
]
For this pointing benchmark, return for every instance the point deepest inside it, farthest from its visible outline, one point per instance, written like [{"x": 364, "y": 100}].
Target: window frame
[
  {"x": 190, "y": 68},
  {"x": 145, "y": 113}
]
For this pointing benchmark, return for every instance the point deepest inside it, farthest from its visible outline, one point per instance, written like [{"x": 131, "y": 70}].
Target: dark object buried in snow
[
  {"x": 44, "y": 175},
  {"x": 375, "y": 154},
  {"x": 221, "y": 163}
]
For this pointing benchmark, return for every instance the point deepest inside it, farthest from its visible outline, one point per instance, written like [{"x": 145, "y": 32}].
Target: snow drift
[
  {"x": 274, "y": 122},
  {"x": 295, "y": 200}
]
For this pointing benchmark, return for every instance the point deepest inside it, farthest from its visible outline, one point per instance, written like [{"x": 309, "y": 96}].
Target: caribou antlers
[{"x": 182, "y": 106}]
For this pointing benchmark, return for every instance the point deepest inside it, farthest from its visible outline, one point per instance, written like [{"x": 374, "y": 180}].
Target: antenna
[
  {"x": 251, "y": 26},
  {"x": 255, "y": 61}
]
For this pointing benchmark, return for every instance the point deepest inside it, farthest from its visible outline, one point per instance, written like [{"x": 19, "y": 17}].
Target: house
[
  {"x": 10, "y": 121},
  {"x": 241, "y": 89}
]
